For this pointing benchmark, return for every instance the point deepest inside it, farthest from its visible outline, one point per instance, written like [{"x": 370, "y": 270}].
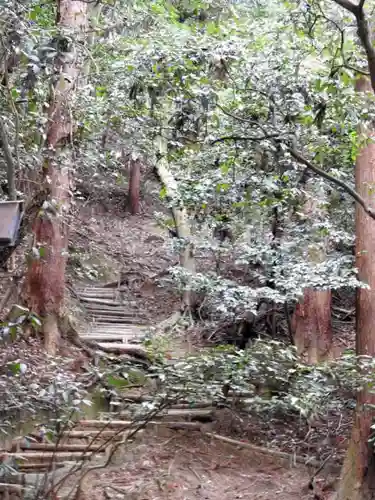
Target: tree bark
[
  {"x": 180, "y": 216},
  {"x": 134, "y": 185},
  {"x": 358, "y": 473},
  {"x": 312, "y": 325},
  {"x": 311, "y": 322},
  {"x": 45, "y": 281}
]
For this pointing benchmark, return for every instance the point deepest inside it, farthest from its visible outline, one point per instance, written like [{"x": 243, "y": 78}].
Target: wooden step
[
  {"x": 108, "y": 312},
  {"x": 29, "y": 467},
  {"x": 118, "y": 308},
  {"x": 95, "y": 434},
  {"x": 94, "y": 292},
  {"x": 115, "y": 331},
  {"x": 83, "y": 289},
  {"x": 109, "y": 338},
  {"x": 185, "y": 414},
  {"x": 131, "y": 349},
  {"x": 126, "y": 424},
  {"x": 60, "y": 456},
  {"x": 116, "y": 320},
  {"x": 111, "y": 328},
  {"x": 60, "y": 447},
  {"x": 103, "y": 302}
]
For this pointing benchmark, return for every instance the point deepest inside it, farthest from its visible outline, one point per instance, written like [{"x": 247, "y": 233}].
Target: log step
[
  {"x": 117, "y": 320},
  {"x": 59, "y": 456},
  {"x": 35, "y": 467},
  {"x": 124, "y": 349},
  {"x": 95, "y": 434},
  {"x": 116, "y": 309},
  {"x": 96, "y": 294},
  {"x": 120, "y": 311},
  {"x": 109, "y": 338},
  {"x": 185, "y": 414},
  {"x": 93, "y": 301},
  {"x": 60, "y": 447},
  {"x": 126, "y": 424},
  {"x": 90, "y": 289},
  {"x": 111, "y": 328}
]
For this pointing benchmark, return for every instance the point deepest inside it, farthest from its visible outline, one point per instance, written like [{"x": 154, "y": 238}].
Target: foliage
[
  {"x": 269, "y": 375},
  {"x": 231, "y": 87}
]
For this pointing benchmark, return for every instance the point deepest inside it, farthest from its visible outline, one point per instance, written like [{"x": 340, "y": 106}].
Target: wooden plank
[
  {"x": 107, "y": 337},
  {"x": 116, "y": 320},
  {"x": 94, "y": 301},
  {"x": 110, "y": 327},
  {"x": 117, "y": 313},
  {"x": 58, "y": 456},
  {"x": 125, "y": 424},
  {"x": 188, "y": 413},
  {"x": 57, "y": 448},
  {"x": 95, "y": 434}
]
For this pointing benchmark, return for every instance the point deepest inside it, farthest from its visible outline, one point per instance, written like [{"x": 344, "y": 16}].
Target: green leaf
[{"x": 116, "y": 381}]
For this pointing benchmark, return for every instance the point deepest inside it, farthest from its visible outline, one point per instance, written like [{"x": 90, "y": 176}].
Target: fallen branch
[{"x": 274, "y": 453}]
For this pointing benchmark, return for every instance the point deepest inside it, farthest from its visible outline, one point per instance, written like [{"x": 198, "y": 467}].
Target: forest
[{"x": 186, "y": 218}]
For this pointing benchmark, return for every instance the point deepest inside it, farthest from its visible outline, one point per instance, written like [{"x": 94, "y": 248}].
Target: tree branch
[
  {"x": 351, "y": 192},
  {"x": 364, "y": 34},
  {"x": 348, "y": 5},
  {"x": 255, "y": 138},
  {"x": 303, "y": 161}
]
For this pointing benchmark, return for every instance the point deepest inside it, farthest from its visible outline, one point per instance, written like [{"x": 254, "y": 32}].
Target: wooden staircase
[
  {"x": 113, "y": 318},
  {"x": 90, "y": 443},
  {"x": 34, "y": 460}
]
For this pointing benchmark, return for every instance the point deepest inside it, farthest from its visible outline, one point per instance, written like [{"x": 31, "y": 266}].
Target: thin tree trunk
[
  {"x": 134, "y": 186},
  {"x": 45, "y": 282}
]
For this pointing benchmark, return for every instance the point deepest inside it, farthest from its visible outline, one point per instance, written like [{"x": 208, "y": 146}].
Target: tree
[
  {"x": 134, "y": 185},
  {"x": 45, "y": 281},
  {"x": 312, "y": 317},
  {"x": 358, "y": 473}
]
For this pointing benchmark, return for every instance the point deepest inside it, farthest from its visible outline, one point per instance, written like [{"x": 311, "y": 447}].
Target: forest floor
[
  {"x": 106, "y": 242},
  {"x": 192, "y": 467}
]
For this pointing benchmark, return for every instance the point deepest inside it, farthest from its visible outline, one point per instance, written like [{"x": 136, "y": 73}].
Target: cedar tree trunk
[
  {"x": 358, "y": 473},
  {"x": 45, "y": 281},
  {"x": 311, "y": 323}
]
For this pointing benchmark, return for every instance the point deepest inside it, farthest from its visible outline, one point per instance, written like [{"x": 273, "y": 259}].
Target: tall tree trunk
[
  {"x": 187, "y": 260},
  {"x": 358, "y": 473},
  {"x": 45, "y": 282},
  {"x": 311, "y": 322},
  {"x": 134, "y": 185}
]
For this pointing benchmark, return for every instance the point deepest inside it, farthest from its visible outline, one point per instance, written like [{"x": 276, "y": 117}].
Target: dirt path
[{"x": 182, "y": 467}]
